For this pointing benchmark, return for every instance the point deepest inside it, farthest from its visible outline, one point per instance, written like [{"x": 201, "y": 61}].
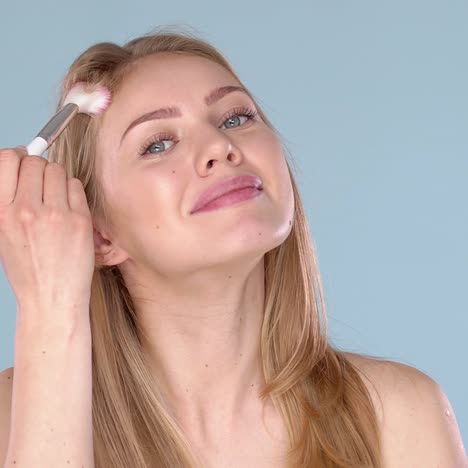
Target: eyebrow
[{"x": 173, "y": 111}]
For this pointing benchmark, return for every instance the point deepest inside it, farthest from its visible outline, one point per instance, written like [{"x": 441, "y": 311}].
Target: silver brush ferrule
[{"x": 58, "y": 122}]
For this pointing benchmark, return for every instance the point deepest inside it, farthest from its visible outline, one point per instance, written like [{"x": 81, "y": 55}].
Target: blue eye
[
  {"x": 242, "y": 112},
  {"x": 234, "y": 119},
  {"x": 156, "y": 141}
]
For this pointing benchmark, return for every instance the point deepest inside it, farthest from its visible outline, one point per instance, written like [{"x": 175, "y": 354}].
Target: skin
[{"x": 197, "y": 280}]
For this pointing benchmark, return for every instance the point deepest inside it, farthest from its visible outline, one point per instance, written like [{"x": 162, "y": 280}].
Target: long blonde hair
[{"x": 320, "y": 394}]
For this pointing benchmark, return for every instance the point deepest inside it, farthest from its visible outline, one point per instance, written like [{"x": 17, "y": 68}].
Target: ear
[{"x": 106, "y": 252}]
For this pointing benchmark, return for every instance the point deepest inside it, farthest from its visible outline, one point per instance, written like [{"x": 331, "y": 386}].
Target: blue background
[{"x": 371, "y": 99}]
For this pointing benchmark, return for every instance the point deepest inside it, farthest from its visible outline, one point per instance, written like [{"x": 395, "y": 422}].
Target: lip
[{"x": 228, "y": 185}]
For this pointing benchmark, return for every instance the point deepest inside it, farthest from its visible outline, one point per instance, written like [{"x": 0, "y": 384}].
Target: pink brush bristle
[{"x": 90, "y": 99}]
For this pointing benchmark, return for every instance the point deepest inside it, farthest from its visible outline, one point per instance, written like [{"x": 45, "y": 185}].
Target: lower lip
[{"x": 231, "y": 198}]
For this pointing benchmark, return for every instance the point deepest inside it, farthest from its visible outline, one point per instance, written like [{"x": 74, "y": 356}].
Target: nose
[{"x": 216, "y": 146}]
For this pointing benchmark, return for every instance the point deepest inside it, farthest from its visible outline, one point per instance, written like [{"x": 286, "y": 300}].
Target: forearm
[{"x": 51, "y": 418}]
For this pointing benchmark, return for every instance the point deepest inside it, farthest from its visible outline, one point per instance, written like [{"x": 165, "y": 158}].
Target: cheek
[
  {"x": 157, "y": 201},
  {"x": 271, "y": 162},
  {"x": 268, "y": 146},
  {"x": 130, "y": 197},
  {"x": 274, "y": 167}
]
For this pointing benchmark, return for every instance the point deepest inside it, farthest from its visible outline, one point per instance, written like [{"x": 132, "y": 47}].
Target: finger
[
  {"x": 55, "y": 192},
  {"x": 10, "y": 161},
  {"x": 30, "y": 181},
  {"x": 77, "y": 197}
]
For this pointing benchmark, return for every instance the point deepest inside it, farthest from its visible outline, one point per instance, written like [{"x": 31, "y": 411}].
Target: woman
[{"x": 209, "y": 338}]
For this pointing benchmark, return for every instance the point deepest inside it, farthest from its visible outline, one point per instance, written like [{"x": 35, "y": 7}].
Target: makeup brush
[{"x": 82, "y": 98}]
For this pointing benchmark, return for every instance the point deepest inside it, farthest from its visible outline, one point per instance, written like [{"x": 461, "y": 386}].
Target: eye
[
  {"x": 156, "y": 141},
  {"x": 233, "y": 116}
]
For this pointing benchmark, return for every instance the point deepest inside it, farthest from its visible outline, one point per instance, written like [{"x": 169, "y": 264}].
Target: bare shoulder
[
  {"x": 6, "y": 387},
  {"x": 417, "y": 421}
]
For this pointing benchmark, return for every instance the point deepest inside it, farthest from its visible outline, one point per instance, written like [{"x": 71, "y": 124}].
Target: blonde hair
[{"x": 325, "y": 405}]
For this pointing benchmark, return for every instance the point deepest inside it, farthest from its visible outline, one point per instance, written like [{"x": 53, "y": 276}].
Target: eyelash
[{"x": 242, "y": 111}]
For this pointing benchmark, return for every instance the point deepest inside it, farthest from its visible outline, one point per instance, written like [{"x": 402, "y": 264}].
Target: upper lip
[{"x": 225, "y": 186}]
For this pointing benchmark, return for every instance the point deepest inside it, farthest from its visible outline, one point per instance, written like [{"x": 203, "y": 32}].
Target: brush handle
[
  {"x": 37, "y": 146},
  {"x": 52, "y": 129}
]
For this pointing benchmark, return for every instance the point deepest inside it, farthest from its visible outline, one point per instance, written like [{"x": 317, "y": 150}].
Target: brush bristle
[{"x": 91, "y": 100}]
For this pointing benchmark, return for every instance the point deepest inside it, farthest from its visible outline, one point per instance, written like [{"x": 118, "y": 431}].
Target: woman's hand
[{"x": 46, "y": 236}]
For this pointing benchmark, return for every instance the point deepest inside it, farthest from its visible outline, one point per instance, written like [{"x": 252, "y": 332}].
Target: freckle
[
  {"x": 252, "y": 385},
  {"x": 206, "y": 365},
  {"x": 173, "y": 172},
  {"x": 68, "y": 461},
  {"x": 290, "y": 223},
  {"x": 259, "y": 233},
  {"x": 43, "y": 352},
  {"x": 14, "y": 462},
  {"x": 51, "y": 429},
  {"x": 9, "y": 378},
  {"x": 157, "y": 227},
  {"x": 241, "y": 354},
  {"x": 229, "y": 276}
]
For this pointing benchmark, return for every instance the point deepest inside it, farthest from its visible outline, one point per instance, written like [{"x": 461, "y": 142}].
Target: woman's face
[{"x": 151, "y": 195}]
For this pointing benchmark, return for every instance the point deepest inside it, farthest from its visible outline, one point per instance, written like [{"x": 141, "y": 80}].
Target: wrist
[{"x": 65, "y": 320}]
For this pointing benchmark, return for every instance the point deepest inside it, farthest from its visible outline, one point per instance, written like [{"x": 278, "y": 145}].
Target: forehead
[{"x": 173, "y": 75}]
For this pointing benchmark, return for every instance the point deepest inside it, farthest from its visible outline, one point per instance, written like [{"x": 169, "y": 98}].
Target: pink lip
[
  {"x": 220, "y": 189},
  {"x": 231, "y": 198}
]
